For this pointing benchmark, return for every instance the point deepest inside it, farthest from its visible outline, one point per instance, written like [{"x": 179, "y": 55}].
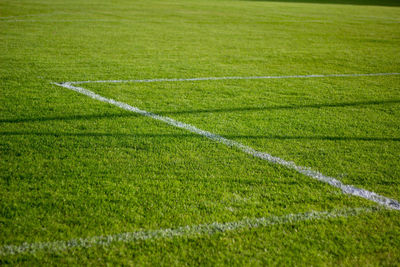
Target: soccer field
[{"x": 208, "y": 132}]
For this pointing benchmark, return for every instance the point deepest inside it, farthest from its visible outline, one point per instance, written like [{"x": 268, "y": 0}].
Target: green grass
[{"x": 74, "y": 167}]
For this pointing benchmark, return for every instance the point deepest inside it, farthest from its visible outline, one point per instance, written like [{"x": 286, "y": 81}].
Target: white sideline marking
[
  {"x": 185, "y": 231},
  {"x": 237, "y": 78},
  {"x": 347, "y": 189}
]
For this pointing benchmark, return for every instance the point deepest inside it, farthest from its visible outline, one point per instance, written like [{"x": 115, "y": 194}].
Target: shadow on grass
[
  {"x": 190, "y": 135},
  {"x": 72, "y": 117},
  {"x": 392, "y": 3},
  {"x": 289, "y": 107},
  {"x": 219, "y": 110}
]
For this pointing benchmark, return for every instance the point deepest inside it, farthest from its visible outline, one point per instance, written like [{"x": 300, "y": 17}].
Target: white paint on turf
[
  {"x": 238, "y": 78},
  {"x": 347, "y": 189},
  {"x": 185, "y": 231}
]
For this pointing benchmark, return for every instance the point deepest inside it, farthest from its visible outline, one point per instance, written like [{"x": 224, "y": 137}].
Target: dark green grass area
[{"x": 74, "y": 167}]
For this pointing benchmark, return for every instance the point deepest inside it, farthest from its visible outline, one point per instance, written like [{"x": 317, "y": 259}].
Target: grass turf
[{"x": 75, "y": 167}]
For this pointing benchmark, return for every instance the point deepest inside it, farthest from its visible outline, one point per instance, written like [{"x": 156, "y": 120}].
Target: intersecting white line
[
  {"x": 185, "y": 231},
  {"x": 347, "y": 189}
]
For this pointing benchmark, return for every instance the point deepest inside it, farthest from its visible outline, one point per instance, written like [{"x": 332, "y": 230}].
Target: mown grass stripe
[
  {"x": 185, "y": 231},
  {"x": 60, "y": 20}
]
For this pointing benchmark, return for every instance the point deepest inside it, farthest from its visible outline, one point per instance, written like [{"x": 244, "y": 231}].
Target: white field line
[
  {"x": 348, "y": 189},
  {"x": 237, "y": 78},
  {"x": 185, "y": 231}
]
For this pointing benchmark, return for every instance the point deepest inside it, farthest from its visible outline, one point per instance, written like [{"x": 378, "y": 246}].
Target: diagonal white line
[
  {"x": 347, "y": 189},
  {"x": 185, "y": 231},
  {"x": 238, "y": 78}
]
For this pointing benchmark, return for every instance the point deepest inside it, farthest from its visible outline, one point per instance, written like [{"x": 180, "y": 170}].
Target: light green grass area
[{"x": 74, "y": 167}]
